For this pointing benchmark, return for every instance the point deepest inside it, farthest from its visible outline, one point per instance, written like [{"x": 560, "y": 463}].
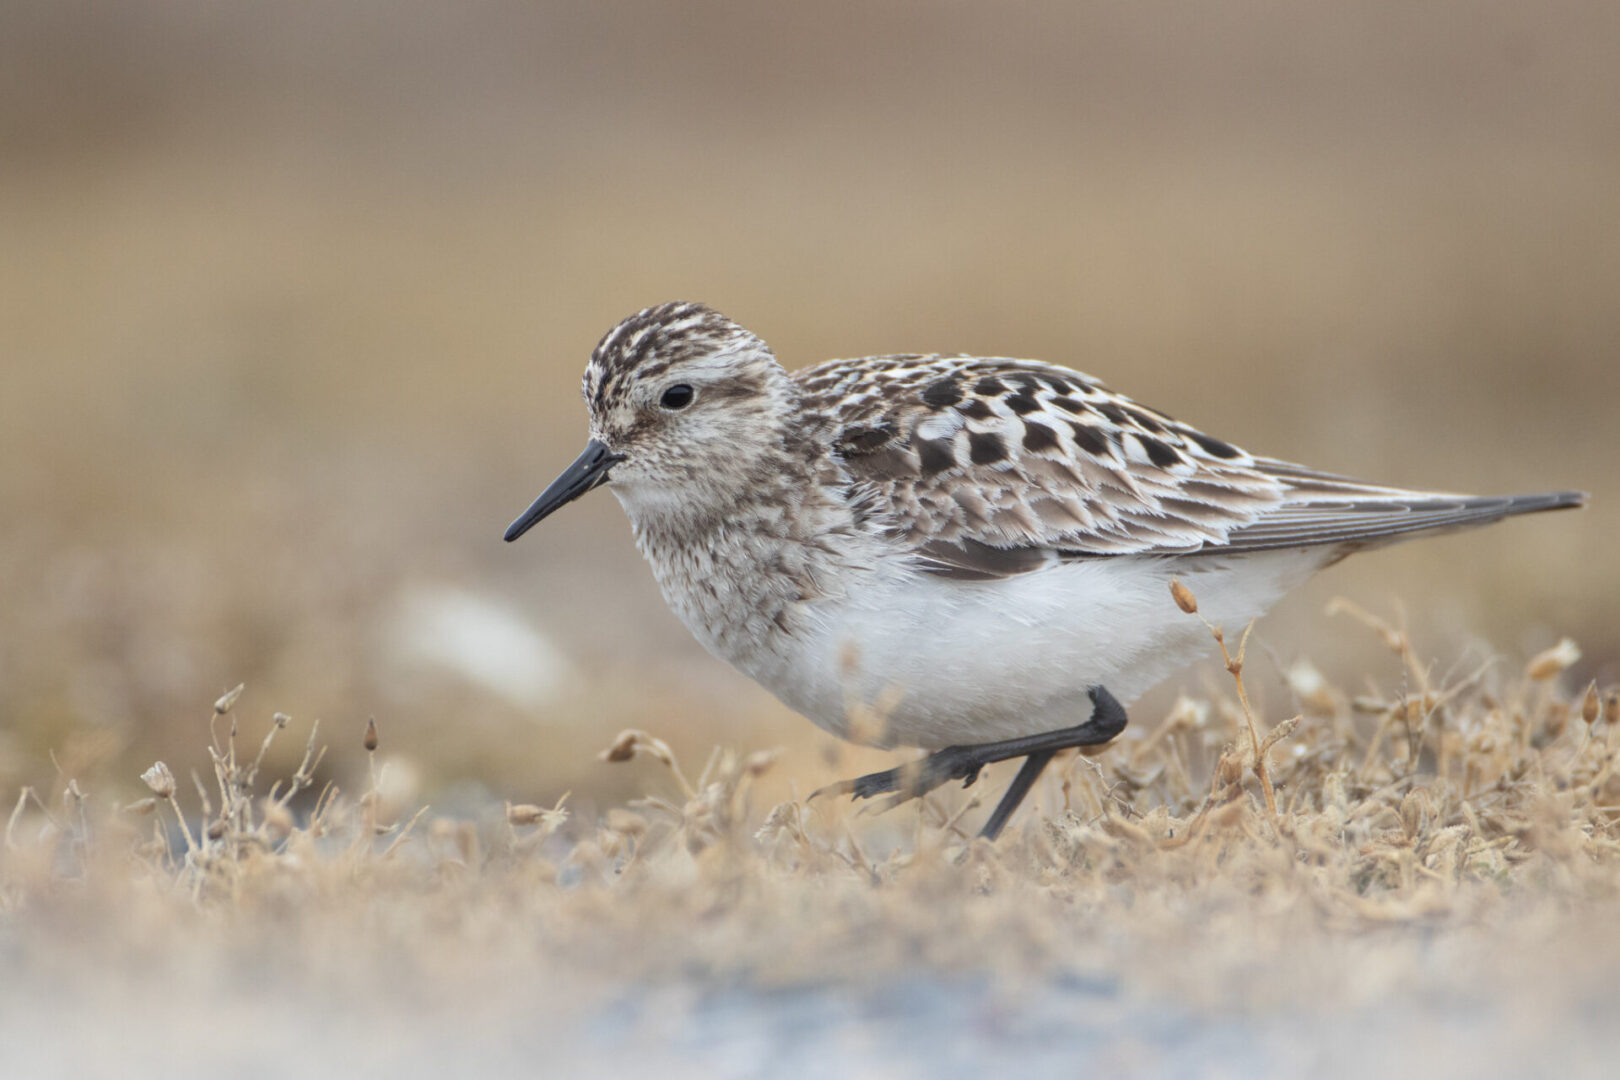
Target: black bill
[{"x": 589, "y": 470}]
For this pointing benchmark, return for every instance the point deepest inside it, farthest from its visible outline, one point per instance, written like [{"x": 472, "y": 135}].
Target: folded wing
[{"x": 993, "y": 467}]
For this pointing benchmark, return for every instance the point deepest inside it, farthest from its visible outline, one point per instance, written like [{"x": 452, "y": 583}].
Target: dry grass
[{"x": 1449, "y": 840}]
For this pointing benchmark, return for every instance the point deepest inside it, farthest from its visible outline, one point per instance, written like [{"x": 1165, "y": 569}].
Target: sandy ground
[{"x": 1426, "y": 891}]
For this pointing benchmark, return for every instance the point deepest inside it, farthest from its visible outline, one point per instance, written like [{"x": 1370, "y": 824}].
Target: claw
[
  {"x": 839, "y": 787},
  {"x": 864, "y": 787}
]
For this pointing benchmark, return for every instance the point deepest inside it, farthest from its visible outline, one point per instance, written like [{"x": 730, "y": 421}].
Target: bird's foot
[
  {"x": 963, "y": 763},
  {"x": 914, "y": 779}
]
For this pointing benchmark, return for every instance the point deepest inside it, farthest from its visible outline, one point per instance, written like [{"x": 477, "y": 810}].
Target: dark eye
[{"x": 678, "y": 396}]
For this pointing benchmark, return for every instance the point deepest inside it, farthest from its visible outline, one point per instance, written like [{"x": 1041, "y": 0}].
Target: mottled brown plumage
[{"x": 994, "y": 466}]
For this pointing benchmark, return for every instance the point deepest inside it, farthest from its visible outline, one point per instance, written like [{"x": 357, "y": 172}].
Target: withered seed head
[
  {"x": 759, "y": 762},
  {"x": 1592, "y": 705},
  {"x": 623, "y": 748},
  {"x": 370, "y": 741},
  {"x": 1554, "y": 661},
  {"x": 223, "y": 705},
  {"x": 160, "y": 780},
  {"x": 523, "y": 813},
  {"x": 1185, "y": 600}
]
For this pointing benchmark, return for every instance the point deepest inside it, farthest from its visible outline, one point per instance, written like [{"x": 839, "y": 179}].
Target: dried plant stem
[
  {"x": 16, "y": 812},
  {"x": 631, "y": 742},
  {"x": 404, "y": 833},
  {"x": 277, "y": 722},
  {"x": 1188, "y": 603},
  {"x": 950, "y": 823},
  {"x": 185, "y": 830},
  {"x": 1235, "y": 666},
  {"x": 1395, "y": 639},
  {"x": 305, "y": 775}
]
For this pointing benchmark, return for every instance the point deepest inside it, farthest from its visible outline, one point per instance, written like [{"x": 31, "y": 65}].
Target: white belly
[{"x": 970, "y": 662}]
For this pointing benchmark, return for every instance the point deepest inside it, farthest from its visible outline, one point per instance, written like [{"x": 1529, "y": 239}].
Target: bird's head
[{"x": 685, "y": 405}]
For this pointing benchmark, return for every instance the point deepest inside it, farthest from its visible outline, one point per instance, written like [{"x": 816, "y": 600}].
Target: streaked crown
[{"x": 655, "y": 340}]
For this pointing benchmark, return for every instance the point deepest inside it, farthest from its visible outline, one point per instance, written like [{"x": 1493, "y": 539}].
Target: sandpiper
[{"x": 982, "y": 545}]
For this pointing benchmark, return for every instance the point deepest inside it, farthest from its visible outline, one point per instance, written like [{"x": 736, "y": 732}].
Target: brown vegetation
[{"x": 1377, "y": 844}]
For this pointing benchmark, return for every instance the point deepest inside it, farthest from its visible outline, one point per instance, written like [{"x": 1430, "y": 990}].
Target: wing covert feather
[{"x": 988, "y": 467}]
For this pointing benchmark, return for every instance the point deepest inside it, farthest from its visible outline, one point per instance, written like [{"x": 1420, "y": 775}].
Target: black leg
[
  {"x": 1028, "y": 773},
  {"x": 964, "y": 762}
]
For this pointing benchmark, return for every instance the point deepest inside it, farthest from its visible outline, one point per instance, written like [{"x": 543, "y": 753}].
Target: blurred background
[{"x": 294, "y": 300}]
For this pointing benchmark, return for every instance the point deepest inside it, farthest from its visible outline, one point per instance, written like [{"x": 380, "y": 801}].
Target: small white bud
[{"x": 160, "y": 780}]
